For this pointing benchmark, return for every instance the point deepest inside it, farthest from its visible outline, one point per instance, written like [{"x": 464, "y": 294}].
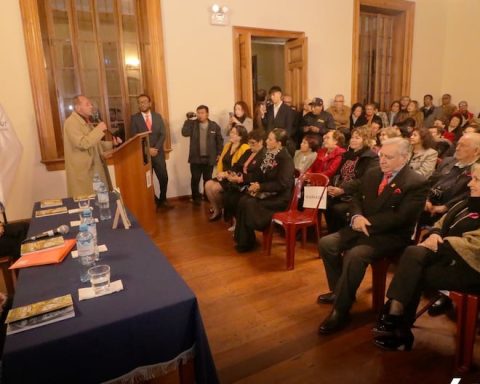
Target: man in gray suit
[{"x": 148, "y": 121}]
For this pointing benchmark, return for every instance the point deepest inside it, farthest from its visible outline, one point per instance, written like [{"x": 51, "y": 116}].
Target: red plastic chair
[
  {"x": 467, "y": 314},
  {"x": 293, "y": 219}
]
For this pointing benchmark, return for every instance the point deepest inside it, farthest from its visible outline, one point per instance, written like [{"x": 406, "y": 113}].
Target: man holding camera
[
  {"x": 206, "y": 143},
  {"x": 148, "y": 121}
]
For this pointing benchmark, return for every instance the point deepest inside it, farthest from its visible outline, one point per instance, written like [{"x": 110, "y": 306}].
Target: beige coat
[{"x": 82, "y": 149}]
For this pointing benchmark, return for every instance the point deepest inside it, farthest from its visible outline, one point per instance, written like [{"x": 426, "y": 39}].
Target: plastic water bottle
[
  {"x": 88, "y": 219},
  {"x": 104, "y": 203},
  {"x": 97, "y": 182},
  {"x": 86, "y": 252}
]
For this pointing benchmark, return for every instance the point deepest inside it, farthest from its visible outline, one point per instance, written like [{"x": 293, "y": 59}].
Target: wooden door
[
  {"x": 296, "y": 70},
  {"x": 244, "y": 69}
]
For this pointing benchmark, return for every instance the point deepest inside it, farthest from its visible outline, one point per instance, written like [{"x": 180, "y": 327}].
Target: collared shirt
[
  {"x": 145, "y": 115},
  {"x": 276, "y": 107}
]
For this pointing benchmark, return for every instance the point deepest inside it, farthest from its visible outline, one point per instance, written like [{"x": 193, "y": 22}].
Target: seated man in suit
[
  {"x": 148, "y": 121},
  {"x": 384, "y": 211}
]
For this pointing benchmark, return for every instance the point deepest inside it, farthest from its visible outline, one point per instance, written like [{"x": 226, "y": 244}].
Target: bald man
[{"x": 83, "y": 151}]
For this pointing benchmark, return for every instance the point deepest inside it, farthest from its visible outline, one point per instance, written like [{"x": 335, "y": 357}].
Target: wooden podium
[{"x": 133, "y": 175}]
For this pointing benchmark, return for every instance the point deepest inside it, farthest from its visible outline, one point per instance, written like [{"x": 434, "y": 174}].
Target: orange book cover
[{"x": 47, "y": 256}]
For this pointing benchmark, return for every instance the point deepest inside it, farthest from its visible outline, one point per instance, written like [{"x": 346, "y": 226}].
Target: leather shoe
[
  {"x": 326, "y": 298},
  {"x": 440, "y": 307},
  {"x": 333, "y": 323}
]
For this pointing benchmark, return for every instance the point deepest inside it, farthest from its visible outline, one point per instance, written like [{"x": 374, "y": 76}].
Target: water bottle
[
  {"x": 88, "y": 219},
  {"x": 97, "y": 182},
  {"x": 86, "y": 252},
  {"x": 104, "y": 203}
]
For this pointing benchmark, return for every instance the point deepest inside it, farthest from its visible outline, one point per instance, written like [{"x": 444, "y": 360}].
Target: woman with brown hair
[
  {"x": 424, "y": 157},
  {"x": 241, "y": 116},
  {"x": 355, "y": 162}
]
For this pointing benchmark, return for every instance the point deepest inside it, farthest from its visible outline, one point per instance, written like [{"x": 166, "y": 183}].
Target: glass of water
[{"x": 100, "y": 278}]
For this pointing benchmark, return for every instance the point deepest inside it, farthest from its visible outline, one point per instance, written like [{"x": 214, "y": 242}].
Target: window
[{"x": 96, "y": 48}]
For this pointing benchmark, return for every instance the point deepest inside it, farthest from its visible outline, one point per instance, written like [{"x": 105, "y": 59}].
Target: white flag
[{"x": 10, "y": 153}]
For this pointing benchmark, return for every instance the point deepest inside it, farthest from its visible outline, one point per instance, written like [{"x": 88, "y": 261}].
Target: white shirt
[{"x": 276, "y": 107}]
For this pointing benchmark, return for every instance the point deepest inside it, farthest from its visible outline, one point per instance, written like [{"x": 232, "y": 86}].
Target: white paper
[
  {"x": 89, "y": 293},
  {"x": 312, "y": 195},
  {"x": 101, "y": 248},
  {"x": 78, "y": 210},
  {"x": 148, "y": 176}
]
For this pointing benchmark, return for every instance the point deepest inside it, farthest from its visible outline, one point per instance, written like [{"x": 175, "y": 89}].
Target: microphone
[
  {"x": 61, "y": 230},
  {"x": 96, "y": 117}
]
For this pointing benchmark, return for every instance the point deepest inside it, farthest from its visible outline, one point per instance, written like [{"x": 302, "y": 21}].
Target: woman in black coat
[
  {"x": 245, "y": 171},
  {"x": 355, "y": 163},
  {"x": 269, "y": 193}
]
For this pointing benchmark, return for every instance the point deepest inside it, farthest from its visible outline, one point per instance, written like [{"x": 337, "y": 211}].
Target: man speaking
[{"x": 83, "y": 150}]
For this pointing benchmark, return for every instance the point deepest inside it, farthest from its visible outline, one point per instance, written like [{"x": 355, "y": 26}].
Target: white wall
[{"x": 199, "y": 60}]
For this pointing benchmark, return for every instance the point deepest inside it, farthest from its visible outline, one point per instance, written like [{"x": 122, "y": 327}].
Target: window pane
[
  {"x": 133, "y": 82},
  {"x": 63, "y": 55},
  {"x": 113, "y": 82},
  {"x": 84, "y": 20},
  {"x": 92, "y": 83},
  {"x": 60, "y": 19},
  {"x": 107, "y": 30},
  {"x": 88, "y": 55},
  {"x": 110, "y": 55},
  {"x": 129, "y": 25},
  {"x": 68, "y": 85}
]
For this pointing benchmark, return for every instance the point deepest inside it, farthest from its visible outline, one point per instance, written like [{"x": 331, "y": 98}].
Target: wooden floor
[{"x": 262, "y": 320}]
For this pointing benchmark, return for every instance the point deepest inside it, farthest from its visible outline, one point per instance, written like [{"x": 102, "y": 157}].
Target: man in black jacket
[
  {"x": 148, "y": 121},
  {"x": 206, "y": 143},
  {"x": 279, "y": 115},
  {"x": 384, "y": 212}
]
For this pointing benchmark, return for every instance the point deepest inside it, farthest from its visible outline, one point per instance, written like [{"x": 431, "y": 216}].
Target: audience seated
[
  {"x": 241, "y": 115},
  {"x": 231, "y": 153},
  {"x": 318, "y": 122},
  {"x": 244, "y": 171},
  {"x": 357, "y": 118},
  {"x": 430, "y": 112},
  {"x": 306, "y": 155},
  {"x": 369, "y": 112},
  {"x": 463, "y": 113},
  {"x": 447, "y": 108},
  {"x": 355, "y": 162},
  {"x": 330, "y": 156},
  {"x": 406, "y": 126},
  {"x": 448, "y": 184},
  {"x": 441, "y": 145},
  {"x": 392, "y": 114},
  {"x": 341, "y": 114},
  {"x": 388, "y": 133},
  {"x": 381, "y": 114},
  {"x": 446, "y": 260},
  {"x": 454, "y": 129},
  {"x": 403, "y": 112},
  {"x": 269, "y": 193},
  {"x": 415, "y": 113},
  {"x": 384, "y": 212},
  {"x": 424, "y": 158}
]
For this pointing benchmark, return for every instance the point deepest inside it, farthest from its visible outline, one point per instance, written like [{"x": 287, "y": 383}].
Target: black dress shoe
[
  {"x": 399, "y": 341},
  {"x": 333, "y": 323},
  {"x": 440, "y": 307},
  {"x": 215, "y": 216},
  {"x": 326, "y": 298},
  {"x": 244, "y": 249}
]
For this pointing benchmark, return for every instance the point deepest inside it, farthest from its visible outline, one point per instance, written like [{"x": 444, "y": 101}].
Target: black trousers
[
  {"x": 421, "y": 268},
  {"x": 160, "y": 168},
  {"x": 198, "y": 171},
  {"x": 11, "y": 240},
  {"x": 336, "y": 214}
]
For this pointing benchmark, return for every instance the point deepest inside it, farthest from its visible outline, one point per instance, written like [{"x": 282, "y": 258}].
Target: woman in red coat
[{"x": 330, "y": 156}]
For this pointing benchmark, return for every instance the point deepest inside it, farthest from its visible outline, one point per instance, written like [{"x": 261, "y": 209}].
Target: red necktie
[
  {"x": 148, "y": 122},
  {"x": 384, "y": 182}
]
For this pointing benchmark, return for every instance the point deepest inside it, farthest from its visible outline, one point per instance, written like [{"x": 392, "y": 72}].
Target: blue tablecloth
[{"x": 153, "y": 320}]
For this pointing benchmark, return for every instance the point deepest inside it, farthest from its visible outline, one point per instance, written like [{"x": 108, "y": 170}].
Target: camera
[{"x": 191, "y": 115}]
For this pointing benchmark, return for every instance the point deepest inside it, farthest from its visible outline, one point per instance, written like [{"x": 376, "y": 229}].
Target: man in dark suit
[
  {"x": 279, "y": 115},
  {"x": 148, "y": 121},
  {"x": 206, "y": 143},
  {"x": 384, "y": 210}
]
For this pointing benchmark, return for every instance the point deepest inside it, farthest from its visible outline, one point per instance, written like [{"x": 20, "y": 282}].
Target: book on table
[
  {"x": 38, "y": 314},
  {"x": 49, "y": 203},
  {"x": 51, "y": 211},
  {"x": 53, "y": 255}
]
